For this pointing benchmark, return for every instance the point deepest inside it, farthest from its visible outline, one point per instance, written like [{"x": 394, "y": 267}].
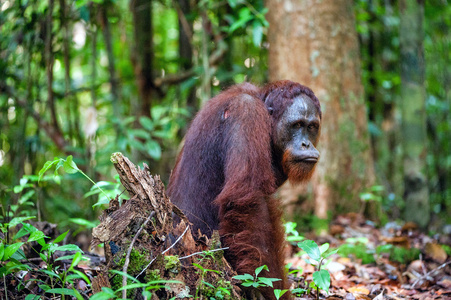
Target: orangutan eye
[{"x": 313, "y": 127}]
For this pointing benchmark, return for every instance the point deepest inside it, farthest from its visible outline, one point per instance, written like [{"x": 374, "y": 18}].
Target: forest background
[{"x": 90, "y": 78}]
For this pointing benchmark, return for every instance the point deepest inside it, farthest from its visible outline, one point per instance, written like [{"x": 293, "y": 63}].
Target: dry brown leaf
[
  {"x": 359, "y": 290},
  {"x": 436, "y": 252}
]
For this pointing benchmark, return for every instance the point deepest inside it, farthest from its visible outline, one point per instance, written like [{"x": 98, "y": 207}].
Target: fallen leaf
[
  {"x": 436, "y": 252},
  {"x": 359, "y": 289}
]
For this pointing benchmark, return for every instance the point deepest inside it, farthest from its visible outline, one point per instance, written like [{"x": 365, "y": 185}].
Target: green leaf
[
  {"x": 298, "y": 291},
  {"x": 75, "y": 261},
  {"x": 25, "y": 197},
  {"x": 69, "y": 247},
  {"x": 330, "y": 253},
  {"x": 63, "y": 291},
  {"x": 268, "y": 281},
  {"x": 244, "y": 16},
  {"x": 103, "y": 296},
  {"x": 2, "y": 250},
  {"x": 69, "y": 166},
  {"x": 83, "y": 276},
  {"x": 146, "y": 123},
  {"x": 232, "y": 3},
  {"x": 43, "y": 257},
  {"x": 11, "y": 249},
  {"x": 323, "y": 248},
  {"x": 47, "y": 166},
  {"x": 18, "y": 220},
  {"x": 257, "y": 33},
  {"x": 311, "y": 248},
  {"x": 259, "y": 269},
  {"x": 34, "y": 236},
  {"x": 84, "y": 222},
  {"x": 18, "y": 255},
  {"x": 132, "y": 286},
  {"x": 248, "y": 283},
  {"x": 279, "y": 293},
  {"x": 61, "y": 237},
  {"x": 139, "y": 133},
  {"x": 153, "y": 149},
  {"x": 32, "y": 297},
  {"x": 244, "y": 277},
  {"x": 50, "y": 273},
  {"x": 322, "y": 279}
]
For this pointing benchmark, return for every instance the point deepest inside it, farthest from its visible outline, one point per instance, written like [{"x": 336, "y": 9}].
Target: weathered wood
[{"x": 158, "y": 242}]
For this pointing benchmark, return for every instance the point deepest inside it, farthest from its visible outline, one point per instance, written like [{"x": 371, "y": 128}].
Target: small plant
[
  {"x": 254, "y": 281},
  {"x": 203, "y": 272},
  {"x": 69, "y": 166},
  {"x": 321, "y": 278},
  {"x": 58, "y": 279},
  {"x": 293, "y": 235},
  {"x": 248, "y": 280},
  {"x": 147, "y": 287}
]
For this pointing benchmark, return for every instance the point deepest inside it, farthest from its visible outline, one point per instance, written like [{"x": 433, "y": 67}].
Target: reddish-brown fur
[{"x": 227, "y": 171}]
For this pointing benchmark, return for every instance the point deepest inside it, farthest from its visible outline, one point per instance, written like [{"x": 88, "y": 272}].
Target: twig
[
  {"x": 196, "y": 253},
  {"x": 127, "y": 257},
  {"x": 178, "y": 239},
  {"x": 6, "y": 291},
  {"x": 425, "y": 276}
]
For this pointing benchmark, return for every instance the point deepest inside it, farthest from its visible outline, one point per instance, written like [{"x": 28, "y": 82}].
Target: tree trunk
[
  {"x": 413, "y": 97},
  {"x": 315, "y": 43},
  {"x": 185, "y": 47},
  {"x": 106, "y": 30},
  {"x": 143, "y": 52}
]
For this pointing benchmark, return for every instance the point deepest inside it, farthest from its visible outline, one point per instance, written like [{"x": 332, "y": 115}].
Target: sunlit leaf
[
  {"x": 311, "y": 248},
  {"x": 322, "y": 279}
]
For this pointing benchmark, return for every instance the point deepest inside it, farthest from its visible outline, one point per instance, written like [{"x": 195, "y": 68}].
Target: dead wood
[{"x": 141, "y": 239}]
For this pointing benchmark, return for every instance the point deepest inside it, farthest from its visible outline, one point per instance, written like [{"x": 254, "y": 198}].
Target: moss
[
  {"x": 116, "y": 283},
  {"x": 219, "y": 290},
  {"x": 138, "y": 260},
  {"x": 172, "y": 263},
  {"x": 152, "y": 275}
]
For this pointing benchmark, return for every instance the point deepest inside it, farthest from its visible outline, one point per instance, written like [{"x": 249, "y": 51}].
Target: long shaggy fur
[{"x": 224, "y": 176}]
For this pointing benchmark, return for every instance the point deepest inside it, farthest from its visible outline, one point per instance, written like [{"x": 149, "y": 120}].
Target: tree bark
[
  {"x": 143, "y": 52},
  {"x": 106, "y": 30},
  {"x": 315, "y": 43},
  {"x": 185, "y": 46},
  {"x": 413, "y": 98}
]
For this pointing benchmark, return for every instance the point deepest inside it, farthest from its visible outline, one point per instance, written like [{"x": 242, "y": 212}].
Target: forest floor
[
  {"x": 392, "y": 262},
  {"x": 147, "y": 256}
]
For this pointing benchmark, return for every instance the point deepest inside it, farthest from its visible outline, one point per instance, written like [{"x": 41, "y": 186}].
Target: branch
[
  {"x": 178, "y": 239},
  {"x": 129, "y": 251},
  {"x": 196, "y": 253},
  {"x": 172, "y": 79}
]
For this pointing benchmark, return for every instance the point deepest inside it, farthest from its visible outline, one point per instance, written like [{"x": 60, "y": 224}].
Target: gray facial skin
[{"x": 298, "y": 130}]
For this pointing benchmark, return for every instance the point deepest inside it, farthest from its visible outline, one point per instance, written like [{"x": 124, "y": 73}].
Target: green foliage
[
  {"x": 12, "y": 255},
  {"x": 293, "y": 235},
  {"x": 82, "y": 114},
  {"x": 360, "y": 248},
  {"x": 218, "y": 290},
  {"x": 318, "y": 255},
  {"x": 172, "y": 263},
  {"x": 69, "y": 166}
]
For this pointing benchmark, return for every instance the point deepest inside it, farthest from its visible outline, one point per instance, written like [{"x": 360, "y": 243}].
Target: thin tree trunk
[
  {"x": 49, "y": 60},
  {"x": 413, "y": 96},
  {"x": 185, "y": 46},
  {"x": 111, "y": 61},
  {"x": 143, "y": 53},
  {"x": 315, "y": 43}
]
